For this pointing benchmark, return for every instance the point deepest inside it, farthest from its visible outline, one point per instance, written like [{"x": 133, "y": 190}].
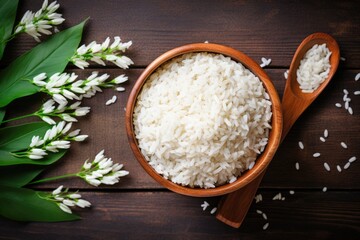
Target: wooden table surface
[{"x": 138, "y": 207}]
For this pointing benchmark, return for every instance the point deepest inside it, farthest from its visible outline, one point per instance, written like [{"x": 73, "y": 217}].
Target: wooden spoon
[{"x": 233, "y": 207}]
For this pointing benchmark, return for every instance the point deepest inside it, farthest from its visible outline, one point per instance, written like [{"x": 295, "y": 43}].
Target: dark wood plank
[
  {"x": 270, "y": 29},
  {"x": 165, "y": 215},
  {"x": 106, "y": 128}
]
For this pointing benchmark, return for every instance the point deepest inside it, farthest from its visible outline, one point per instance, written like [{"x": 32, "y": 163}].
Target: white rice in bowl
[{"x": 202, "y": 119}]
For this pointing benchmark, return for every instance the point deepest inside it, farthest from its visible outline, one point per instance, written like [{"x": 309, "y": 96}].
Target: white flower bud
[
  {"x": 58, "y": 190},
  {"x": 59, "y": 99},
  {"x": 82, "y": 111},
  {"x": 69, "y": 202},
  {"x": 74, "y": 133},
  {"x": 48, "y": 120},
  {"x": 80, "y": 138},
  {"x": 35, "y": 157},
  {"x": 120, "y": 79},
  {"x": 105, "y": 44},
  {"x": 66, "y": 117},
  {"x": 65, "y": 208},
  {"x": 83, "y": 203},
  {"x": 116, "y": 42}
]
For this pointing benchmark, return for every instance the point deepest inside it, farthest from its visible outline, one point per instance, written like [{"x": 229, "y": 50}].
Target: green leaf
[
  {"x": 23, "y": 204},
  {"x": 49, "y": 57},
  {"x": 7, "y": 159},
  {"x": 16, "y": 138},
  {"x": 7, "y": 13},
  {"x": 2, "y": 114},
  {"x": 20, "y": 175}
]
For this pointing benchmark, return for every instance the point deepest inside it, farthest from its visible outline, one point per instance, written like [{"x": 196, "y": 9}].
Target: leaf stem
[
  {"x": 17, "y": 118},
  {"x": 54, "y": 178}
]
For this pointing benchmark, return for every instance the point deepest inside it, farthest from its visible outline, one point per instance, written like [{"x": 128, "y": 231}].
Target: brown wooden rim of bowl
[{"x": 262, "y": 161}]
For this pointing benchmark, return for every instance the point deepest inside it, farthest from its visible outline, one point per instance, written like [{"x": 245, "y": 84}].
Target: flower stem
[
  {"x": 17, "y": 118},
  {"x": 53, "y": 178}
]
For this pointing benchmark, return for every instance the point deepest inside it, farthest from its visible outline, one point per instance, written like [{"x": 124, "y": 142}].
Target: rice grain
[
  {"x": 352, "y": 159},
  {"x": 301, "y": 145},
  {"x": 326, "y": 166},
  {"x": 357, "y": 77}
]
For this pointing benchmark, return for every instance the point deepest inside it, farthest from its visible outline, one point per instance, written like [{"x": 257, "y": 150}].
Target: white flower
[
  {"x": 66, "y": 113},
  {"x": 39, "y": 79},
  {"x": 65, "y": 200},
  {"x": 53, "y": 140},
  {"x": 65, "y": 208},
  {"x": 102, "y": 171},
  {"x": 82, "y": 203},
  {"x": 120, "y": 79},
  {"x": 103, "y": 52},
  {"x": 80, "y": 138},
  {"x": 58, "y": 190},
  {"x": 40, "y": 22}
]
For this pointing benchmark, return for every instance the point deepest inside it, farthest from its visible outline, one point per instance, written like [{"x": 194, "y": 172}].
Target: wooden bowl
[{"x": 262, "y": 161}]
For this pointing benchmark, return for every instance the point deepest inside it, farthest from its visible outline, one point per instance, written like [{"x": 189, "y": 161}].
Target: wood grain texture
[
  {"x": 165, "y": 215},
  {"x": 138, "y": 207},
  {"x": 271, "y": 29}
]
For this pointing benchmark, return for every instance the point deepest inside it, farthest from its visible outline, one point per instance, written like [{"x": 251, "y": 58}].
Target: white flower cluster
[
  {"x": 66, "y": 113},
  {"x": 65, "y": 200},
  {"x": 102, "y": 171},
  {"x": 40, "y": 22},
  {"x": 54, "y": 139},
  {"x": 63, "y": 86},
  {"x": 103, "y": 52}
]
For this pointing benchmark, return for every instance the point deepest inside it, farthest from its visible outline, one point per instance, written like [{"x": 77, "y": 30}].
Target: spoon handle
[{"x": 230, "y": 213}]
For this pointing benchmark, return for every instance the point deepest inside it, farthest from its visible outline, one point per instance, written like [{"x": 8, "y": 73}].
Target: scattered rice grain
[
  {"x": 316, "y": 155},
  {"x": 344, "y": 145},
  {"x": 259, "y": 211},
  {"x": 205, "y": 205},
  {"x": 350, "y": 110},
  {"x": 264, "y": 216},
  {"x": 292, "y": 192},
  {"x": 111, "y": 101},
  {"x": 258, "y": 198},
  {"x": 324, "y": 189},
  {"x": 326, "y": 166},
  {"x": 347, "y": 165},
  {"x": 357, "y": 93},
  {"x": 297, "y": 166},
  {"x": 301, "y": 145},
  {"x": 326, "y": 133},
  {"x": 352, "y": 159},
  {"x": 213, "y": 210},
  {"x": 338, "y": 168},
  {"x": 322, "y": 139},
  {"x": 266, "y": 225},
  {"x": 357, "y": 77},
  {"x": 346, "y": 91},
  {"x": 338, "y": 105},
  {"x": 343, "y": 59},
  {"x": 277, "y": 197}
]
